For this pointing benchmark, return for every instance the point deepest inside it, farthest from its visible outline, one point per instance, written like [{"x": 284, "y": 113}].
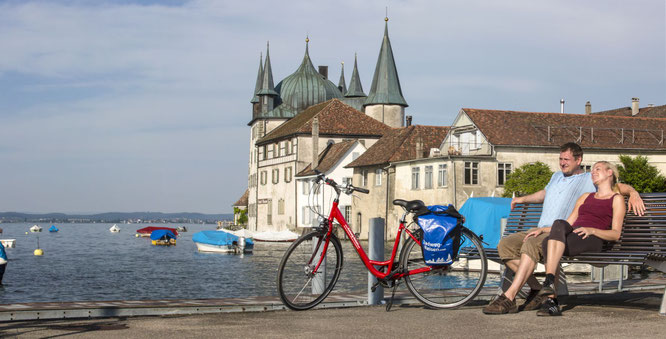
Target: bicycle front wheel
[
  {"x": 447, "y": 286},
  {"x": 301, "y": 284}
]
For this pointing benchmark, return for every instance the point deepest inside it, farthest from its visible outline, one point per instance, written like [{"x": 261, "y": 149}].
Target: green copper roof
[
  {"x": 306, "y": 87},
  {"x": 257, "y": 86},
  {"x": 267, "y": 87},
  {"x": 355, "y": 87},
  {"x": 385, "y": 83},
  {"x": 342, "y": 85}
]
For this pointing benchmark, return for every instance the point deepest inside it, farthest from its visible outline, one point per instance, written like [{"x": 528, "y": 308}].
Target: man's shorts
[{"x": 512, "y": 246}]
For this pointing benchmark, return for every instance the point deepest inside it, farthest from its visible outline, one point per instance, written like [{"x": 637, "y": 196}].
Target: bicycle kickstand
[{"x": 390, "y": 301}]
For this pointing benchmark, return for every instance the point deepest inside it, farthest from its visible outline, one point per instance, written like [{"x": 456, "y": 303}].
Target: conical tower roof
[
  {"x": 385, "y": 83},
  {"x": 267, "y": 87},
  {"x": 260, "y": 76},
  {"x": 342, "y": 85},
  {"x": 355, "y": 87}
]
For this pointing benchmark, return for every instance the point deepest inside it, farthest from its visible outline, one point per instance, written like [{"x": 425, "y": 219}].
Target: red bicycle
[{"x": 311, "y": 266}]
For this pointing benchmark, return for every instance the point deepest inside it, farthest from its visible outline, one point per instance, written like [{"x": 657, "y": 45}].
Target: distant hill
[{"x": 115, "y": 217}]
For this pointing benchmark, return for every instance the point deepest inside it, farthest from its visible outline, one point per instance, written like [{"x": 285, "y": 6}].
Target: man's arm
[
  {"x": 634, "y": 203},
  {"x": 534, "y": 198}
]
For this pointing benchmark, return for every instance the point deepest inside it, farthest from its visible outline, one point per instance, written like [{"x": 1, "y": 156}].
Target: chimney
[
  {"x": 323, "y": 70},
  {"x": 588, "y": 108},
  {"x": 419, "y": 148},
  {"x": 315, "y": 142},
  {"x": 634, "y": 106},
  {"x": 561, "y": 105},
  {"x": 409, "y": 120}
]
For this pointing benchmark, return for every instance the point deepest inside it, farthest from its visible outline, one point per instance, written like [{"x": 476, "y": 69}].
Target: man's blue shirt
[{"x": 562, "y": 192}]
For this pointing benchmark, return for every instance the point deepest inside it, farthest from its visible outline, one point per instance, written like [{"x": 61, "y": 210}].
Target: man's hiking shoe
[
  {"x": 549, "y": 308},
  {"x": 501, "y": 305},
  {"x": 534, "y": 301},
  {"x": 547, "y": 289}
]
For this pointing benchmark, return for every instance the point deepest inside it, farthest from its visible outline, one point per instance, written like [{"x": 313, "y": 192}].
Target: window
[
  {"x": 358, "y": 222},
  {"x": 305, "y": 216},
  {"x": 364, "y": 178},
  {"x": 281, "y": 207},
  {"x": 416, "y": 171},
  {"x": 283, "y": 148},
  {"x": 287, "y": 147},
  {"x": 287, "y": 174},
  {"x": 586, "y": 168},
  {"x": 442, "y": 176},
  {"x": 471, "y": 173},
  {"x": 269, "y": 212},
  {"x": 276, "y": 176},
  {"x": 306, "y": 186},
  {"x": 269, "y": 152},
  {"x": 294, "y": 145},
  {"x": 378, "y": 177},
  {"x": 346, "y": 180},
  {"x": 427, "y": 177},
  {"x": 264, "y": 177},
  {"x": 262, "y": 149},
  {"x": 347, "y": 212},
  {"x": 503, "y": 171}
]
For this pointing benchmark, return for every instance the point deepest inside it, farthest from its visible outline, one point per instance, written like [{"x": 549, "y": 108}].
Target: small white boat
[
  {"x": 222, "y": 242},
  {"x": 8, "y": 243},
  {"x": 114, "y": 229},
  {"x": 282, "y": 236},
  {"x": 35, "y": 229}
]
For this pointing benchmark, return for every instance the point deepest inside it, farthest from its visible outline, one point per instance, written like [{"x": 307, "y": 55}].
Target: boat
[
  {"x": 114, "y": 229},
  {"x": 282, "y": 236},
  {"x": 35, "y": 229},
  {"x": 146, "y": 231},
  {"x": 163, "y": 237},
  {"x": 53, "y": 229},
  {"x": 222, "y": 242},
  {"x": 181, "y": 229},
  {"x": 8, "y": 243}
]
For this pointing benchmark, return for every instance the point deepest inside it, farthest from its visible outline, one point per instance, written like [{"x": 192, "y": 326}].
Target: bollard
[
  {"x": 319, "y": 281},
  {"x": 375, "y": 252}
]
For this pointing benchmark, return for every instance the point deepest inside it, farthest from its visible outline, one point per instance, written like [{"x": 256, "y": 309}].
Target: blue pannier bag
[{"x": 441, "y": 227}]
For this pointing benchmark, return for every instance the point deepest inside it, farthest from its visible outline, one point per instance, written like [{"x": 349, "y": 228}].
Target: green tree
[
  {"x": 642, "y": 176},
  {"x": 527, "y": 179},
  {"x": 242, "y": 215}
]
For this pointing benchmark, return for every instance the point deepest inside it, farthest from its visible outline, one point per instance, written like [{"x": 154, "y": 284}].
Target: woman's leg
[{"x": 555, "y": 245}]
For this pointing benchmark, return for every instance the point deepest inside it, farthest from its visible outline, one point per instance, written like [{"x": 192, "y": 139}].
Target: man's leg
[
  {"x": 532, "y": 281},
  {"x": 523, "y": 272}
]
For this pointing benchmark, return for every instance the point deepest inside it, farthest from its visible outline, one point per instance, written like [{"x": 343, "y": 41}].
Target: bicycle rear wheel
[
  {"x": 299, "y": 286},
  {"x": 449, "y": 286}
]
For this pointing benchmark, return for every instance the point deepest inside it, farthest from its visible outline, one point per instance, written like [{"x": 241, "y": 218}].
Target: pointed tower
[
  {"x": 256, "y": 108},
  {"x": 267, "y": 93},
  {"x": 342, "y": 85},
  {"x": 355, "y": 96},
  {"x": 385, "y": 101}
]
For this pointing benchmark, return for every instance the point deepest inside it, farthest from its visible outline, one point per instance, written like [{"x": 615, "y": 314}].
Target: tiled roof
[
  {"x": 242, "y": 202},
  {"x": 331, "y": 155},
  {"x": 511, "y": 128},
  {"x": 645, "y": 112},
  {"x": 400, "y": 145},
  {"x": 335, "y": 119}
]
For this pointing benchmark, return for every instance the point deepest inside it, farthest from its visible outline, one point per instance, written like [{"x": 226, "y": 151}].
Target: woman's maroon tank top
[{"x": 595, "y": 213}]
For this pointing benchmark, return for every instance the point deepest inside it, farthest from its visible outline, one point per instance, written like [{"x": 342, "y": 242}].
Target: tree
[
  {"x": 642, "y": 176},
  {"x": 242, "y": 215},
  {"x": 527, "y": 179}
]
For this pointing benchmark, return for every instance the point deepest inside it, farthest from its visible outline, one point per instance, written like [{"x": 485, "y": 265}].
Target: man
[{"x": 521, "y": 254}]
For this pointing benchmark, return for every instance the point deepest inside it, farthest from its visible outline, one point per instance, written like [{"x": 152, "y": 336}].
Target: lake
[{"x": 87, "y": 262}]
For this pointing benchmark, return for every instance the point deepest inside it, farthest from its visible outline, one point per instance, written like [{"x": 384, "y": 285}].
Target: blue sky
[{"x": 144, "y": 105}]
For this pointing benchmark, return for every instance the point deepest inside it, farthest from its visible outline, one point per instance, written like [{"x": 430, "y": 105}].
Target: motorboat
[
  {"x": 163, "y": 237},
  {"x": 8, "y": 243},
  {"x": 221, "y": 241},
  {"x": 114, "y": 229},
  {"x": 181, "y": 229},
  {"x": 146, "y": 231},
  {"x": 53, "y": 229},
  {"x": 282, "y": 236},
  {"x": 35, "y": 229}
]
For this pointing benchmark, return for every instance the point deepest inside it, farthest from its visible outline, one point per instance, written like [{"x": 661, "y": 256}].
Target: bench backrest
[{"x": 645, "y": 233}]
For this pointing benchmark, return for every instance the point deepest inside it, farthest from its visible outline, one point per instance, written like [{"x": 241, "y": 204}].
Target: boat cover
[
  {"x": 149, "y": 230},
  {"x": 483, "y": 216},
  {"x": 53, "y": 229},
  {"x": 218, "y": 238},
  {"x": 162, "y": 234}
]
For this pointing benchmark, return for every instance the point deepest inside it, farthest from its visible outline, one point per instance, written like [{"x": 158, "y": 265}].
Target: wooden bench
[{"x": 643, "y": 242}]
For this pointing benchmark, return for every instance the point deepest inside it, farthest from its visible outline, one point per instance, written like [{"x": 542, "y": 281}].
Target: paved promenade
[{"x": 623, "y": 315}]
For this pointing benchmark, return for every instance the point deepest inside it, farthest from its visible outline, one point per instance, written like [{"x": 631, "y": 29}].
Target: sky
[{"x": 143, "y": 105}]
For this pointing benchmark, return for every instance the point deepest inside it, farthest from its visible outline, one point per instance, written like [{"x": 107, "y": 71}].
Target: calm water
[{"x": 87, "y": 262}]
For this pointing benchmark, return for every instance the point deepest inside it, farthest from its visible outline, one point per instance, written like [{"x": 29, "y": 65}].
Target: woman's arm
[
  {"x": 613, "y": 234},
  {"x": 635, "y": 202}
]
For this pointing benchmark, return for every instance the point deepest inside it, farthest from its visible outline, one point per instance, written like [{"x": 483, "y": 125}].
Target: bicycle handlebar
[{"x": 348, "y": 188}]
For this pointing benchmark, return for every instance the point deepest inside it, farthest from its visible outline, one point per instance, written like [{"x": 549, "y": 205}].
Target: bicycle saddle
[{"x": 412, "y": 206}]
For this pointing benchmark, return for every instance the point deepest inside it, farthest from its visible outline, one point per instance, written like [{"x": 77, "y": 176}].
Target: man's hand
[
  {"x": 634, "y": 203},
  {"x": 534, "y": 233},
  {"x": 515, "y": 201}
]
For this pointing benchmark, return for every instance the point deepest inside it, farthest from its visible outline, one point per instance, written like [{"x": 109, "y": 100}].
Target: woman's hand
[
  {"x": 534, "y": 233},
  {"x": 584, "y": 232}
]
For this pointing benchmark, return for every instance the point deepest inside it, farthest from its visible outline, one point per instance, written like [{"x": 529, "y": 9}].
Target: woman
[{"x": 597, "y": 217}]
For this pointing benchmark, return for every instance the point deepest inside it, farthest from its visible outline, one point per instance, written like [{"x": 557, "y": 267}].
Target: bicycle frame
[{"x": 335, "y": 214}]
